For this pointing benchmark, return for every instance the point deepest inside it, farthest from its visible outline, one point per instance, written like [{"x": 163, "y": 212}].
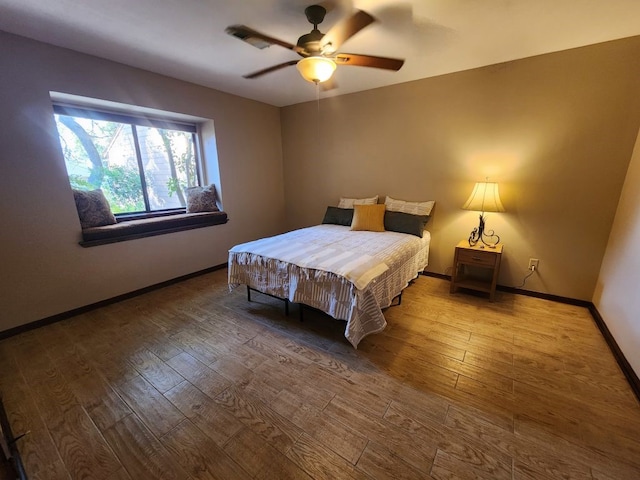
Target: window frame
[{"x": 135, "y": 120}]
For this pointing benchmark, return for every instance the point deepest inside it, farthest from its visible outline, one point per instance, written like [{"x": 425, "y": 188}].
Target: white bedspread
[
  {"x": 357, "y": 267},
  {"x": 350, "y": 275}
]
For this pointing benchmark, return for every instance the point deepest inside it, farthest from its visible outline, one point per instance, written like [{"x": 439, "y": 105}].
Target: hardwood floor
[{"x": 194, "y": 382}]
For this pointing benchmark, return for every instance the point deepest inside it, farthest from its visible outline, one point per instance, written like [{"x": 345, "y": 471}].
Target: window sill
[{"x": 148, "y": 227}]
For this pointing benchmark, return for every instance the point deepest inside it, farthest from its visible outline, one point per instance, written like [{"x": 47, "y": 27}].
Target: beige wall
[
  {"x": 44, "y": 270},
  {"x": 617, "y": 293},
  {"x": 556, "y": 131}
]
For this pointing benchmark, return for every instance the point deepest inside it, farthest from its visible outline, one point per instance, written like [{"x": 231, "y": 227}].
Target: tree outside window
[{"x": 141, "y": 165}]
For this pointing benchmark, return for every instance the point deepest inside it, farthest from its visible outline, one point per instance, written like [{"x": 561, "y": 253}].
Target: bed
[{"x": 350, "y": 275}]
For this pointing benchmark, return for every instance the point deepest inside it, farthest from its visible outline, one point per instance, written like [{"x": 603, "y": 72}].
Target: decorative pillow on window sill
[
  {"x": 202, "y": 199},
  {"x": 93, "y": 208}
]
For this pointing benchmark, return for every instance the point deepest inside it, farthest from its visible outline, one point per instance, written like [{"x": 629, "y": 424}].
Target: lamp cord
[{"x": 526, "y": 277}]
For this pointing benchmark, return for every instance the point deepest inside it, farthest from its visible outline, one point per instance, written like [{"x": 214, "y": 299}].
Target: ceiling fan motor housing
[
  {"x": 310, "y": 43},
  {"x": 315, "y": 14}
]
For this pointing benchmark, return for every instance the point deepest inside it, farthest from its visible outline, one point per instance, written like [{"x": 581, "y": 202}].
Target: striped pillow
[
  {"x": 350, "y": 202},
  {"x": 368, "y": 217},
  {"x": 414, "y": 208}
]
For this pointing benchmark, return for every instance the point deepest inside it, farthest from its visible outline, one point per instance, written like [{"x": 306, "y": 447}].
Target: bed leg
[
  {"x": 248, "y": 293},
  {"x": 400, "y": 298},
  {"x": 301, "y": 312},
  {"x": 286, "y": 307}
]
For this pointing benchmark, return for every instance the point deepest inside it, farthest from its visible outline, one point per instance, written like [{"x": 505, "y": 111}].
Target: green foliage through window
[{"x": 140, "y": 165}]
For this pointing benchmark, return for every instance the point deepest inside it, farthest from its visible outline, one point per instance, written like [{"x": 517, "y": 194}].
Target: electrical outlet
[{"x": 533, "y": 263}]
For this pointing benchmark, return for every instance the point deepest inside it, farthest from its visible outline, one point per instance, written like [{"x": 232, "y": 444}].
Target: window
[{"x": 143, "y": 165}]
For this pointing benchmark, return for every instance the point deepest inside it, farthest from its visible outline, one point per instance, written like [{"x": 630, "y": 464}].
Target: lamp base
[{"x": 478, "y": 235}]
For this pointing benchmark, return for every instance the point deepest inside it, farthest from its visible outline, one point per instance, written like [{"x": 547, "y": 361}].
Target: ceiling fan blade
[
  {"x": 344, "y": 30},
  {"x": 257, "y": 39},
  {"x": 270, "y": 69},
  {"x": 369, "y": 61}
]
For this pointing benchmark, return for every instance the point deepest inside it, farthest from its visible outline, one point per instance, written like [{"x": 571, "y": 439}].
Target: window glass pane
[
  {"x": 101, "y": 154},
  {"x": 169, "y": 163}
]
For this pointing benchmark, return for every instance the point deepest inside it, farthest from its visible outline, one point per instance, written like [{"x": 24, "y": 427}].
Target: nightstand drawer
[
  {"x": 471, "y": 263},
  {"x": 484, "y": 259}
]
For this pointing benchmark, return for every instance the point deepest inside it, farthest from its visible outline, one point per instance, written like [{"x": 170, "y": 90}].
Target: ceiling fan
[{"x": 319, "y": 50}]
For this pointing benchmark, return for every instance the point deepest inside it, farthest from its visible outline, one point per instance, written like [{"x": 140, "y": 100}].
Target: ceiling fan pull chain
[{"x": 318, "y": 111}]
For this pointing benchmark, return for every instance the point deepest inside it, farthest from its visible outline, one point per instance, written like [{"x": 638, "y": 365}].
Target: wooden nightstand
[{"x": 486, "y": 258}]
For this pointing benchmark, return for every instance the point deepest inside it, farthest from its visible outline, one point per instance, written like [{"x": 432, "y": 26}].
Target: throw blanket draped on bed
[{"x": 350, "y": 275}]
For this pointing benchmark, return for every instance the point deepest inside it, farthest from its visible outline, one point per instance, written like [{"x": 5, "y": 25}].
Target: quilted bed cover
[{"x": 350, "y": 275}]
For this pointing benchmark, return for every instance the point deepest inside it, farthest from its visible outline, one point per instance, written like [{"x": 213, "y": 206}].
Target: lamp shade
[
  {"x": 316, "y": 69},
  {"x": 484, "y": 198}
]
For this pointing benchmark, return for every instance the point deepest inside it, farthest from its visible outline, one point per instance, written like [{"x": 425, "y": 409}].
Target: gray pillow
[
  {"x": 338, "y": 216},
  {"x": 202, "y": 199},
  {"x": 93, "y": 208},
  {"x": 405, "y": 223}
]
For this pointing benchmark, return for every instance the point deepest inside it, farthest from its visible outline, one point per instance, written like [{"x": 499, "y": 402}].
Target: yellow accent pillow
[{"x": 368, "y": 217}]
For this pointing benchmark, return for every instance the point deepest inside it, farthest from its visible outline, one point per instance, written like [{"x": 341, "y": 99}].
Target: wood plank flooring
[{"x": 193, "y": 382}]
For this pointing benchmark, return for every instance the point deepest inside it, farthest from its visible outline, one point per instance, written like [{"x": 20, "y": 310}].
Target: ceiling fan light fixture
[{"x": 316, "y": 69}]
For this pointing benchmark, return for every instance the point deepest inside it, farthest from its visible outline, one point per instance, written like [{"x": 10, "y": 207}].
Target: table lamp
[{"x": 484, "y": 198}]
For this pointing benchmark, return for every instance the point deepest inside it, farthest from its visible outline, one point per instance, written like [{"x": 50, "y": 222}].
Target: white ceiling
[{"x": 185, "y": 39}]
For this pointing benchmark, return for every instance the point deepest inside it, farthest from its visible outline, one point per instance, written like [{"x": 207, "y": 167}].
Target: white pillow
[
  {"x": 414, "y": 208},
  {"x": 350, "y": 202}
]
